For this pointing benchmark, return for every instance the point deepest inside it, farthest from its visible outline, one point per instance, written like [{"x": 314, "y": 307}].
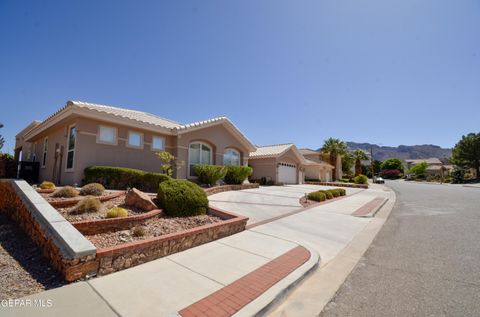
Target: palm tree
[
  {"x": 359, "y": 156},
  {"x": 334, "y": 148}
]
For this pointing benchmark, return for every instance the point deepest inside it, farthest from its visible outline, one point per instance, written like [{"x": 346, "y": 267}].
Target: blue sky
[{"x": 389, "y": 72}]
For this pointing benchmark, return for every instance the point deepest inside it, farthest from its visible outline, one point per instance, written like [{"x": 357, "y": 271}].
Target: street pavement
[{"x": 424, "y": 262}]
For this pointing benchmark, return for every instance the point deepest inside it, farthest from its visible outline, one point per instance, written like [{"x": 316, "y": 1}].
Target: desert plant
[
  {"x": 237, "y": 174},
  {"x": 93, "y": 189},
  {"x": 87, "y": 205},
  {"x": 122, "y": 178},
  {"x": 360, "y": 179},
  {"x": 47, "y": 185},
  {"x": 139, "y": 231},
  {"x": 181, "y": 198},
  {"x": 209, "y": 174},
  {"x": 116, "y": 212},
  {"x": 334, "y": 148},
  {"x": 317, "y": 196},
  {"x": 65, "y": 192},
  {"x": 359, "y": 156},
  {"x": 167, "y": 158}
]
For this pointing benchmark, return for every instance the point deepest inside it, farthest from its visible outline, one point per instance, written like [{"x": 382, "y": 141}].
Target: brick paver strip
[
  {"x": 368, "y": 207},
  {"x": 231, "y": 298}
]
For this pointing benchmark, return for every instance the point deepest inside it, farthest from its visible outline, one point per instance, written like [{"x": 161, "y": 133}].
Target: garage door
[{"x": 287, "y": 173}]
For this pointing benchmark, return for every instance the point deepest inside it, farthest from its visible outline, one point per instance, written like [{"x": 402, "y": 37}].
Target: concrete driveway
[{"x": 266, "y": 202}]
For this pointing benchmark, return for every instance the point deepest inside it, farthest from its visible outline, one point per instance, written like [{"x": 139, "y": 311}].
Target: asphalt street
[{"x": 424, "y": 262}]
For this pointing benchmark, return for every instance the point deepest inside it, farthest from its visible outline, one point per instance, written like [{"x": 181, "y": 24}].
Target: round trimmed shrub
[
  {"x": 317, "y": 196},
  {"x": 66, "y": 192},
  {"x": 182, "y": 198},
  {"x": 237, "y": 174},
  {"x": 87, "y": 205},
  {"x": 209, "y": 174},
  {"x": 93, "y": 189},
  {"x": 342, "y": 191},
  {"x": 334, "y": 192},
  {"x": 360, "y": 179},
  {"x": 327, "y": 193},
  {"x": 47, "y": 185},
  {"x": 116, "y": 212}
]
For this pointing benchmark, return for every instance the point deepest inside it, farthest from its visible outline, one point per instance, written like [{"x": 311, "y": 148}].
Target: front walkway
[{"x": 240, "y": 274}]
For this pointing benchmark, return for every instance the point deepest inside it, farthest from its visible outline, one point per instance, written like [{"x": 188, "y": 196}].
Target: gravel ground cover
[
  {"x": 152, "y": 228},
  {"x": 23, "y": 269}
]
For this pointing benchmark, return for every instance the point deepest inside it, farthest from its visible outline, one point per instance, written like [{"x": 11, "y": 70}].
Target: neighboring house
[
  {"x": 285, "y": 164},
  {"x": 316, "y": 167},
  {"x": 434, "y": 166},
  {"x": 83, "y": 134}
]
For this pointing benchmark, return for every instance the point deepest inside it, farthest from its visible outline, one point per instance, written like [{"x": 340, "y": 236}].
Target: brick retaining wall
[{"x": 226, "y": 188}]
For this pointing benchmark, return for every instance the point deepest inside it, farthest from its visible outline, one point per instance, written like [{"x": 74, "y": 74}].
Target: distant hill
[{"x": 403, "y": 152}]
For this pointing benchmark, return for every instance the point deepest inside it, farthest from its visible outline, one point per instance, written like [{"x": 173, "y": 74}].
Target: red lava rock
[{"x": 139, "y": 199}]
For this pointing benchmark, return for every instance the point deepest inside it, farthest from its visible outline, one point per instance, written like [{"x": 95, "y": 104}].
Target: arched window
[
  {"x": 231, "y": 157},
  {"x": 198, "y": 153}
]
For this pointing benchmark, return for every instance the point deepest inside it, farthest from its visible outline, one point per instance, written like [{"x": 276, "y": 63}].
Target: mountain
[{"x": 403, "y": 152}]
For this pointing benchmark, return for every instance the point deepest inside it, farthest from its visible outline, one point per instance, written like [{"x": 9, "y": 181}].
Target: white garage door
[{"x": 287, "y": 173}]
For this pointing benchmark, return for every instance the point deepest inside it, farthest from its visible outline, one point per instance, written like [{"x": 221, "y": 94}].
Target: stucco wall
[{"x": 266, "y": 167}]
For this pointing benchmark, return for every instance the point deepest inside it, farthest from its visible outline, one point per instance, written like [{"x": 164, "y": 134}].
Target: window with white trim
[
  {"x": 135, "y": 139},
  {"x": 198, "y": 153},
  {"x": 158, "y": 143},
  {"x": 107, "y": 135},
  {"x": 72, "y": 138},
  {"x": 231, "y": 157},
  {"x": 44, "y": 154}
]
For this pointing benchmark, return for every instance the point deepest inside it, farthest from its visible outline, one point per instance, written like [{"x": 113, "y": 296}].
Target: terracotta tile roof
[
  {"x": 128, "y": 114},
  {"x": 270, "y": 150}
]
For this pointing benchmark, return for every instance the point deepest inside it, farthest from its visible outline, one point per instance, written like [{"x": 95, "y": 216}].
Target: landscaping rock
[{"x": 139, "y": 199}]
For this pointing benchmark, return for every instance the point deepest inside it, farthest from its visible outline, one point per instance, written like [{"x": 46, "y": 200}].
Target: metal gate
[{"x": 29, "y": 171}]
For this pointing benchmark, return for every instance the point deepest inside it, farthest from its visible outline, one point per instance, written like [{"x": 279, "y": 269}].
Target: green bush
[
  {"x": 342, "y": 191},
  {"x": 93, "y": 189},
  {"x": 209, "y": 174},
  {"x": 317, "y": 196},
  {"x": 47, "y": 185},
  {"x": 344, "y": 180},
  {"x": 123, "y": 178},
  {"x": 237, "y": 174},
  {"x": 327, "y": 193},
  {"x": 116, "y": 212},
  {"x": 335, "y": 192},
  {"x": 181, "y": 198},
  {"x": 66, "y": 192},
  {"x": 360, "y": 179},
  {"x": 87, "y": 205}
]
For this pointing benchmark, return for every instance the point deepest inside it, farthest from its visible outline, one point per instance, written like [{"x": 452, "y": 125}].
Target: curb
[
  {"x": 278, "y": 292},
  {"x": 372, "y": 213}
]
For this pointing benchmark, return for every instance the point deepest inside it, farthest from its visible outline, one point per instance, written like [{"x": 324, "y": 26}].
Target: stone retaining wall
[
  {"x": 114, "y": 224},
  {"x": 123, "y": 256},
  {"x": 226, "y": 188},
  {"x": 68, "y": 250},
  {"x": 338, "y": 184}
]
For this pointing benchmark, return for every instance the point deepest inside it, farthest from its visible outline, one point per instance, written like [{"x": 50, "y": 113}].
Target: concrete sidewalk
[{"x": 165, "y": 286}]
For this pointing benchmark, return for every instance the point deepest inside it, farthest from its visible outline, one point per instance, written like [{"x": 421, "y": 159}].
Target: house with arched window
[{"x": 82, "y": 134}]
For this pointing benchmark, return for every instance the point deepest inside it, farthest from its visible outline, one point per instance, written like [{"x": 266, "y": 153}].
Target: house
[
  {"x": 317, "y": 167},
  {"x": 434, "y": 166},
  {"x": 83, "y": 134},
  {"x": 285, "y": 164}
]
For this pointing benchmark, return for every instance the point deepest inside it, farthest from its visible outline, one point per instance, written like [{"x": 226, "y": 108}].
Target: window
[
  {"x": 135, "y": 139},
  {"x": 107, "y": 135},
  {"x": 72, "y": 137},
  {"x": 198, "y": 153},
  {"x": 158, "y": 143},
  {"x": 231, "y": 157},
  {"x": 44, "y": 156}
]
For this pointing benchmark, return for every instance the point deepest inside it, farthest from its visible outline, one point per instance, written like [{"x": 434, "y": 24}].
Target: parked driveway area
[{"x": 266, "y": 202}]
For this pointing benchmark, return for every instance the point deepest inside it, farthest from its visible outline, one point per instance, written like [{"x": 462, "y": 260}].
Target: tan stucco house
[
  {"x": 83, "y": 134},
  {"x": 285, "y": 164},
  {"x": 318, "y": 168}
]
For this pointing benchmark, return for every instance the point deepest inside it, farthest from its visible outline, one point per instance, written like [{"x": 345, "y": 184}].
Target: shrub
[
  {"x": 342, "y": 191},
  {"x": 116, "y": 212},
  {"x": 391, "y": 174},
  {"x": 94, "y": 189},
  {"x": 237, "y": 174},
  {"x": 327, "y": 193},
  {"x": 335, "y": 192},
  {"x": 344, "y": 180},
  {"x": 139, "y": 231},
  {"x": 210, "y": 174},
  {"x": 360, "y": 179},
  {"x": 317, "y": 196},
  {"x": 87, "y": 205},
  {"x": 122, "y": 178},
  {"x": 181, "y": 198},
  {"x": 47, "y": 185},
  {"x": 66, "y": 192}
]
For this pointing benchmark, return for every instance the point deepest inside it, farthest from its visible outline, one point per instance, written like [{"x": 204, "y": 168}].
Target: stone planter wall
[
  {"x": 226, "y": 188},
  {"x": 123, "y": 256}
]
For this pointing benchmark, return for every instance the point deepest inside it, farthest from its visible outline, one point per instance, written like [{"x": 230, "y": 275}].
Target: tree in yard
[
  {"x": 418, "y": 169},
  {"x": 334, "y": 148},
  {"x": 466, "y": 152},
  {"x": 392, "y": 164},
  {"x": 167, "y": 158},
  {"x": 347, "y": 163},
  {"x": 2, "y": 140},
  {"x": 359, "y": 156}
]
